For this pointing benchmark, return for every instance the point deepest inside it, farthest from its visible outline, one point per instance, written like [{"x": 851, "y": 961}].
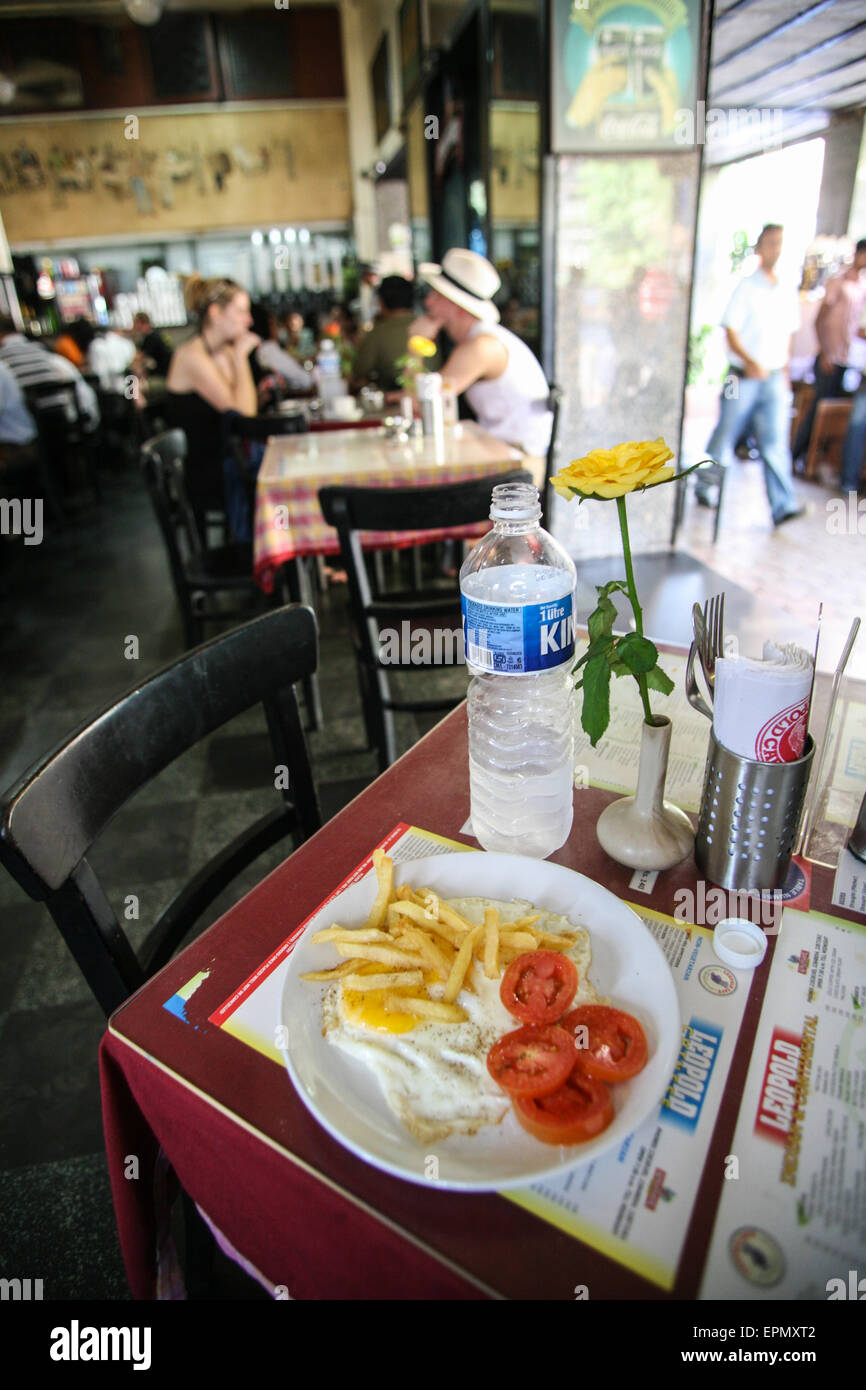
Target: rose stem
[{"x": 640, "y": 677}]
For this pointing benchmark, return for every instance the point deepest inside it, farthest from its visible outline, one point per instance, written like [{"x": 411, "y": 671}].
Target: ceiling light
[{"x": 144, "y": 11}]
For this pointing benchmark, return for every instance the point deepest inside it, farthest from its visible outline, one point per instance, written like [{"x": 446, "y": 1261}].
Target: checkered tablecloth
[{"x": 289, "y": 521}]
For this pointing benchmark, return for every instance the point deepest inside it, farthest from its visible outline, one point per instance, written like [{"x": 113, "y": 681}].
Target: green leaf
[
  {"x": 639, "y": 653},
  {"x": 659, "y": 680},
  {"x": 595, "y": 715},
  {"x": 596, "y": 648},
  {"x": 611, "y": 587},
  {"x": 619, "y": 668},
  {"x": 600, "y": 622}
]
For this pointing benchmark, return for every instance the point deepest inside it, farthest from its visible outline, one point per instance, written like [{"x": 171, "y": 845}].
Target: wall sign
[{"x": 624, "y": 75}]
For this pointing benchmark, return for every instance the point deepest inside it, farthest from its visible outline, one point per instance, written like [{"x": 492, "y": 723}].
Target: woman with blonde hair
[{"x": 209, "y": 376}]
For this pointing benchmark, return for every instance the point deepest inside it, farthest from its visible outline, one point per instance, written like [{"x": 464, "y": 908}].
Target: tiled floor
[{"x": 66, "y": 609}]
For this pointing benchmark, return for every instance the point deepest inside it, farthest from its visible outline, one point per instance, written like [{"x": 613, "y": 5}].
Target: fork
[
  {"x": 713, "y": 645},
  {"x": 693, "y": 694}
]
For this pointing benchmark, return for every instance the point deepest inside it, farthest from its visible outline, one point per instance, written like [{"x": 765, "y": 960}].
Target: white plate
[{"x": 344, "y": 1095}]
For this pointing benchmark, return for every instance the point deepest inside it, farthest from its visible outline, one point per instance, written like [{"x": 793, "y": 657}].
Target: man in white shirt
[
  {"x": 110, "y": 358},
  {"x": 759, "y": 322}
]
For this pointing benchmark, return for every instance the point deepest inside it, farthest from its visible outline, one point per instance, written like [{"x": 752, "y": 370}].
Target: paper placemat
[
  {"x": 791, "y": 1223},
  {"x": 634, "y": 1205}
]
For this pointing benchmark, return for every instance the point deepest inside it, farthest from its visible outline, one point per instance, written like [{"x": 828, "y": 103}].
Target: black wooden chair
[
  {"x": 50, "y": 819},
  {"x": 554, "y": 404},
  {"x": 435, "y": 611},
  {"x": 67, "y": 447},
  {"x": 200, "y": 575}
]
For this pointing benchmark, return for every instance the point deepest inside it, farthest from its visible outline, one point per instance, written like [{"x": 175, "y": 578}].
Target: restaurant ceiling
[{"x": 803, "y": 60}]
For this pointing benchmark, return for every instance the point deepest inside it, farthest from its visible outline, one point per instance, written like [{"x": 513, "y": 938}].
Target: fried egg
[{"x": 434, "y": 1075}]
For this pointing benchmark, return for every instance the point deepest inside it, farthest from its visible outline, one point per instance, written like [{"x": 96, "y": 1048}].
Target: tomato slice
[
  {"x": 539, "y": 986},
  {"x": 616, "y": 1047},
  {"x": 579, "y": 1110},
  {"x": 532, "y": 1061}
]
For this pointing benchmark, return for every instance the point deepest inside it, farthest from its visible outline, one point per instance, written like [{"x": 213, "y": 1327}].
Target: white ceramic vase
[{"x": 644, "y": 831}]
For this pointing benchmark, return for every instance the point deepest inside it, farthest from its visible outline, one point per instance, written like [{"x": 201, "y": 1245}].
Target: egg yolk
[{"x": 366, "y": 1009}]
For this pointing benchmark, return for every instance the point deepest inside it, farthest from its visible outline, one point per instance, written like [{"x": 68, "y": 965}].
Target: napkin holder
[{"x": 749, "y": 817}]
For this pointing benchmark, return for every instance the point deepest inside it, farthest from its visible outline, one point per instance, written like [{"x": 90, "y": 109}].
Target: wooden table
[
  {"x": 285, "y": 1194},
  {"x": 289, "y": 521}
]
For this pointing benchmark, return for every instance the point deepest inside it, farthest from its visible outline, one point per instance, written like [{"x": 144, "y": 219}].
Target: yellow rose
[
  {"x": 420, "y": 346},
  {"x": 614, "y": 472}
]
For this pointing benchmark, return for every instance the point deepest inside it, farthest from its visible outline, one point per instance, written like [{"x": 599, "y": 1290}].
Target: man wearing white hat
[{"x": 496, "y": 371}]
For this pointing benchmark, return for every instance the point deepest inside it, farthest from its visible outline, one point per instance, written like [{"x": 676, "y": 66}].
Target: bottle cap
[{"x": 739, "y": 943}]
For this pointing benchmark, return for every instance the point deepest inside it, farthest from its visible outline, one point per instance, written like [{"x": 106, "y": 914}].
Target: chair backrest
[
  {"x": 442, "y": 506},
  {"x": 54, "y": 407},
  {"x": 425, "y": 508},
  {"x": 53, "y": 815},
  {"x": 162, "y": 461},
  {"x": 259, "y": 428},
  {"x": 554, "y": 405}
]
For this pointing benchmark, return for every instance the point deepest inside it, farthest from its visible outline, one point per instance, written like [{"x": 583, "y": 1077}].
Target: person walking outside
[{"x": 759, "y": 322}]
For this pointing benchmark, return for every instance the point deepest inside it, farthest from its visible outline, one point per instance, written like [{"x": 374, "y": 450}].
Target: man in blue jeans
[
  {"x": 855, "y": 443},
  {"x": 759, "y": 322}
]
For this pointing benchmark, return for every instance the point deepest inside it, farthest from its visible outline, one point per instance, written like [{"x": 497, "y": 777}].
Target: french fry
[
  {"x": 522, "y": 923},
  {"x": 460, "y": 966},
  {"x": 439, "y": 958},
  {"x": 417, "y": 914},
  {"x": 562, "y": 941},
  {"x": 521, "y": 940},
  {"x": 385, "y": 955},
  {"x": 491, "y": 942},
  {"x": 433, "y": 1009},
  {"x": 337, "y": 933},
  {"x": 335, "y": 973},
  {"x": 384, "y": 867},
  {"x": 394, "y": 979},
  {"x": 449, "y": 918}
]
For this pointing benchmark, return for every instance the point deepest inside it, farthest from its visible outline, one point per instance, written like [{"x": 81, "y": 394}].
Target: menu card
[
  {"x": 791, "y": 1223},
  {"x": 633, "y": 1204}
]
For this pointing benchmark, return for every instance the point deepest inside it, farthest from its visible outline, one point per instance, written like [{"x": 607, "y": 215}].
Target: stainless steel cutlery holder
[{"x": 749, "y": 817}]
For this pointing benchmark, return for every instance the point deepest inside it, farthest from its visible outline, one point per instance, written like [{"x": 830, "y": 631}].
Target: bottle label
[{"x": 513, "y": 638}]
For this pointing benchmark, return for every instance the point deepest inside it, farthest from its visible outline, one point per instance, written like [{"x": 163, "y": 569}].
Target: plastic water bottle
[
  {"x": 517, "y": 595},
  {"x": 329, "y": 382}
]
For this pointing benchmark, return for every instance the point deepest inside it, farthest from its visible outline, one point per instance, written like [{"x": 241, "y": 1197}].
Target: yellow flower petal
[{"x": 614, "y": 472}]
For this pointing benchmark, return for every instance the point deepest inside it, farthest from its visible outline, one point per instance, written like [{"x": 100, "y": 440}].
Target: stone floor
[{"x": 66, "y": 610}]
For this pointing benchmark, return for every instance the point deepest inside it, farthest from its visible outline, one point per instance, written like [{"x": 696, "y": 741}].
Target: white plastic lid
[{"x": 739, "y": 943}]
